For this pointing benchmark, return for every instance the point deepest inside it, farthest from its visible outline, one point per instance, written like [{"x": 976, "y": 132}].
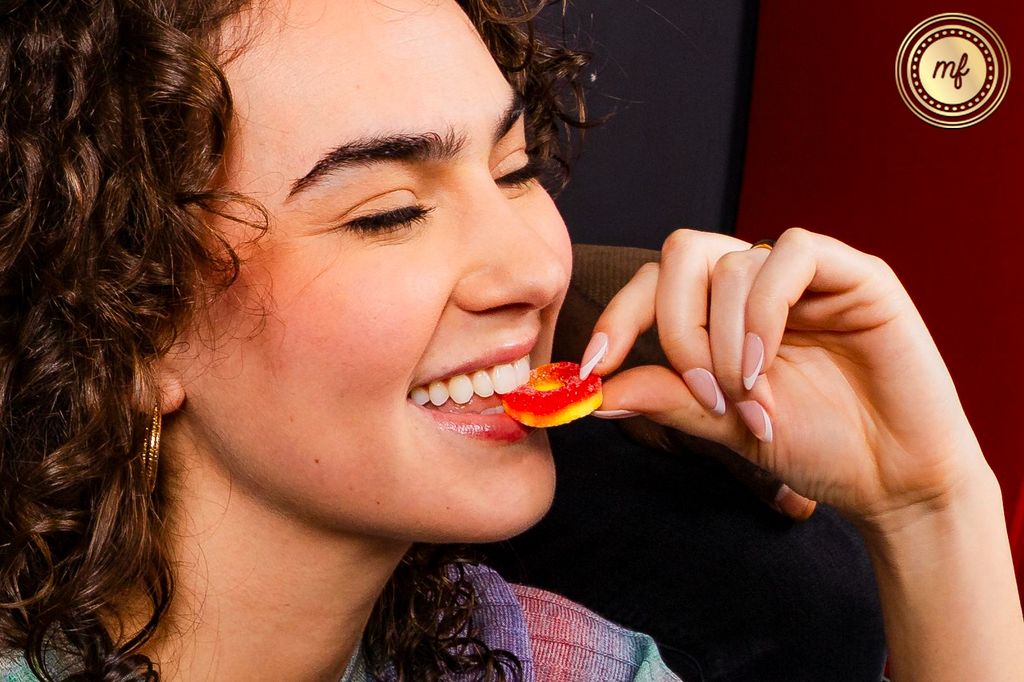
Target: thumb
[{"x": 661, "y": 395}]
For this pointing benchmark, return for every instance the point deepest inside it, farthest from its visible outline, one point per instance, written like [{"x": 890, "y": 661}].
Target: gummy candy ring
[{"x": 554, "y": 395}]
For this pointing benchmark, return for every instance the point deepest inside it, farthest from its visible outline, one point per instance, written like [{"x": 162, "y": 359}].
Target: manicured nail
[
  {"x": 596, "y": 350},
  {"x": 705, "y": 388},
  {"x": 753, "y": 359},
  {"x": 757, "y": 420},
  {"x": 793, "y": 505},
  {"x": 614, "y": 414}
]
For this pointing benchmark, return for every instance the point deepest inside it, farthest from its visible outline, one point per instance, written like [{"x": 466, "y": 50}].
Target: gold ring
[{"x": 763, "y": 244}]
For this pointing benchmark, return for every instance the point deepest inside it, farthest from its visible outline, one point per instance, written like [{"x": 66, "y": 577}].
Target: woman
[{"x": 406, "y": 241}]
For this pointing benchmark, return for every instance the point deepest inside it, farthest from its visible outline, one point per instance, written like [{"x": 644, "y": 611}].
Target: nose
[{"x": 516, "y": 251}]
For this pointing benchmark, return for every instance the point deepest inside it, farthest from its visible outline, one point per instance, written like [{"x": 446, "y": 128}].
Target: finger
[
  {"x": 731, "y": 281},
  {"x": 802, "y": 262},
  {"x": 792, "y": 504},
  {"x": 688, "y": 258},
  {"x": 634, "y": 308},
  {"x": 628, "y": 315}
]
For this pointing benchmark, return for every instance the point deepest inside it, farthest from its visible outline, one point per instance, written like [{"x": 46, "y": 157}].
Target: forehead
[{"x": 318, "y": 72}]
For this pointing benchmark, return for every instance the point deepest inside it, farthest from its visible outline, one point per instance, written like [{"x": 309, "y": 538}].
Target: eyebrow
[{"x": 402, "y": 147}]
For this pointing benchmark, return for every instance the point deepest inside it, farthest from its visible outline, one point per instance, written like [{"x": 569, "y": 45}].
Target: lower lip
[{"x": 497, "y": 427}]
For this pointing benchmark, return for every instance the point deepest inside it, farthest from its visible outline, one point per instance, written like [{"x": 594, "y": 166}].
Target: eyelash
[{"x": 406, "y": 216}]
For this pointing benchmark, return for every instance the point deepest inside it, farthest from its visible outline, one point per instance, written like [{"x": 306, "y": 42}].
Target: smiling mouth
[{"x": 478, "y": 392}]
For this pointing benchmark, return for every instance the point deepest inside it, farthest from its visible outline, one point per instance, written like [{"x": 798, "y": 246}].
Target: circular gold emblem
[{"x": 952, "y": 70}]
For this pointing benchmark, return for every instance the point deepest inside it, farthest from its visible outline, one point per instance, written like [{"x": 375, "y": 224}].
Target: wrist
[
  {"x": 972, "y": 500},
  {"x": 944, "y": 571}
]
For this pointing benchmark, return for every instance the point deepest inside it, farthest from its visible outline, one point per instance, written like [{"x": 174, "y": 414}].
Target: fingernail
[
  {"x": 757, "y": 419},
  {"x": 793, "y": 505},
  {"x": 753, "y": 359},
  {"x": 596, "y": 350},
  {"x": 614, "y": 414},
  {"x": 705, "y": 388}
]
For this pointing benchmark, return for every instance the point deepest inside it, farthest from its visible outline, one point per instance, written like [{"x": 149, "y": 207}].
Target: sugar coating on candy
[{"x": 554, "y": 395}]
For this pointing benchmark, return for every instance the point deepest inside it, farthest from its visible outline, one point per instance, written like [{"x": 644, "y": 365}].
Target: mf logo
[
  {"x": 952, "y": 70},
  {"x": 956, "y": 72}
]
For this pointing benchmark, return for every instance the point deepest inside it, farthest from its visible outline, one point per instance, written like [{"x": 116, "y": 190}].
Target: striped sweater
[{"x": 556, "y": 639}]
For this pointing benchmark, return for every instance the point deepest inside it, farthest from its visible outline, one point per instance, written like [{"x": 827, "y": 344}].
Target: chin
[
  {"x": 523, "y": 505},
  {"x": 515, "y": 521},
  {"x": 503, "y": 510}
]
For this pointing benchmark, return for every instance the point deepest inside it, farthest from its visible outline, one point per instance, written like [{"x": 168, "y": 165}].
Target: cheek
[
  {"x": 323, "y": 384},
  {"x": 364, "y": 332}
]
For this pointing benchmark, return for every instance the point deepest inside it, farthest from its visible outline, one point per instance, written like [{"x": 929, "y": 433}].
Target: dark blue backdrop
[{"x": 675, "y": 75}]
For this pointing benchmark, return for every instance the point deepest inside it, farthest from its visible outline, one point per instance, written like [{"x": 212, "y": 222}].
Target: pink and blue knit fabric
[
  {"x": 559, "y": 640},
  {"x": 556, "y": 639}
]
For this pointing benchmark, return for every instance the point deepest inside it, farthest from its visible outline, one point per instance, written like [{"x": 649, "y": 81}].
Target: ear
[{"x": 171, "y": 385}]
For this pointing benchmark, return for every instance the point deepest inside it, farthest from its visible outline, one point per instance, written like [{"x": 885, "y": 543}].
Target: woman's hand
[{"x": 846, "y": 397}]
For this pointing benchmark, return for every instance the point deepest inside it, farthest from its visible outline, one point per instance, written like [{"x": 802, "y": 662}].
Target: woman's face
[{"x": 299, "y": 390}]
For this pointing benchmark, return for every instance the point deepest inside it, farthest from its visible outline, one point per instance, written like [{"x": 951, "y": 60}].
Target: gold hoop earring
[{"x": 151, "y": 449}]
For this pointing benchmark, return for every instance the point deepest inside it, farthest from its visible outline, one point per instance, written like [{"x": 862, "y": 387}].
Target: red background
[{"x": 834, "y": 149}]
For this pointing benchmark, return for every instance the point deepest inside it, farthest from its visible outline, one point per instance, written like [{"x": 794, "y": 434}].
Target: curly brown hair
[{"x": 113, "y": 122}]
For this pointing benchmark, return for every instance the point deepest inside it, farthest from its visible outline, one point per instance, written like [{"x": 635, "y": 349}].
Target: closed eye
[
  {"x": 523, "y": 176},
  {"x": 398, "y": 218},
  {"x": 388, "y": 221}
]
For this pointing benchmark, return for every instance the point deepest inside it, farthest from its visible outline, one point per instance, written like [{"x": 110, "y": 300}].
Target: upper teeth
[{"x": 499, "y": 379}]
